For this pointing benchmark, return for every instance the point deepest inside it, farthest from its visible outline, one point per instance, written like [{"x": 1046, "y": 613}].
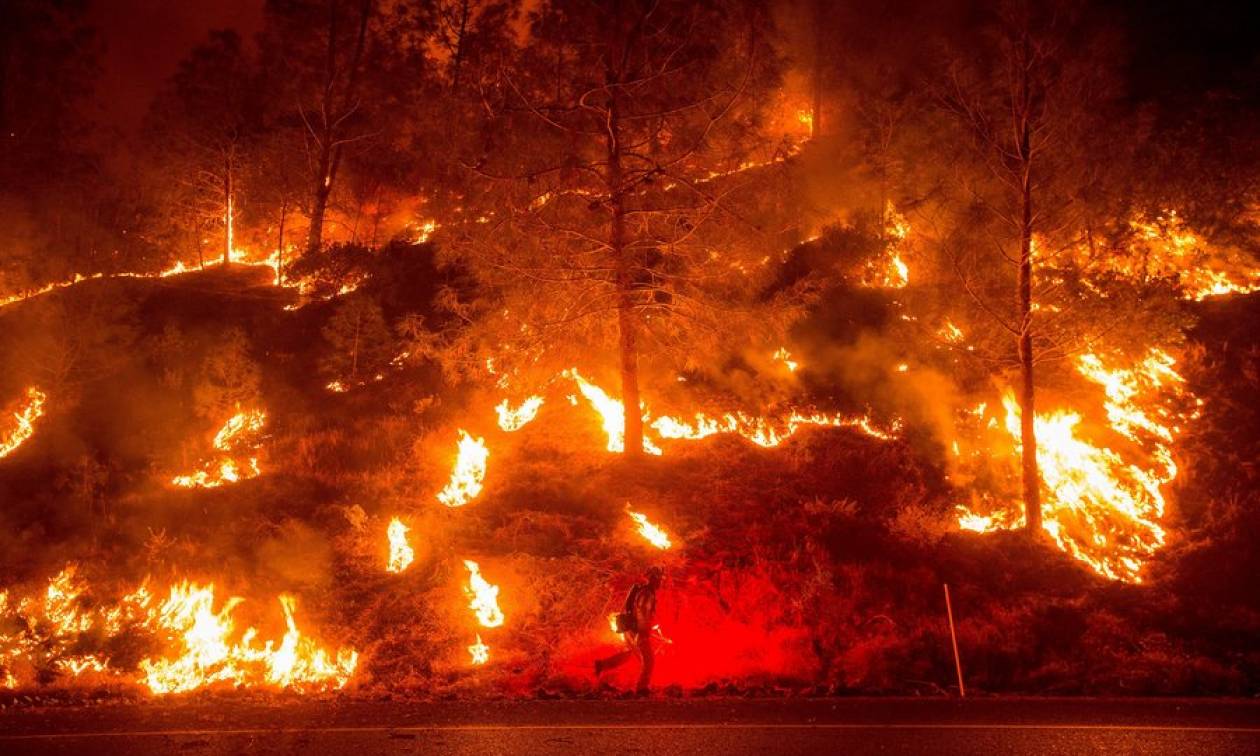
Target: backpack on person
[{"x": 625, "y": 619}]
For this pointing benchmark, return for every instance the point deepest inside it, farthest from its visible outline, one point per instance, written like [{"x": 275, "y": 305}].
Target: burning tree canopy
[
  {"x": 401, "y": 338},
  {"x": 618, "y": 205}
]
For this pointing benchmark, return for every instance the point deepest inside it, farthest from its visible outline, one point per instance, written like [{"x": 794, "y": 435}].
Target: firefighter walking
[{"x": 635, "y": 622}]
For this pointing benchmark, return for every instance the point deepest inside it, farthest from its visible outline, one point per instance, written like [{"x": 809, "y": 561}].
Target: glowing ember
[
  {"x": 784, "y": 356},
  {"x": 649, "y": 531},
  {"x": 424, "y": 231},
  {"x": 974, "y": 522},
  {"x": 479, "y": 651},
  {"x": 514, "y": 419},
  {"x": 951, "y": 332},
  {"x": 23, "y": 422},
  {"x": 238, "y": 436},
  {"x": 468, "y": 474},
  {"x": 483, "y": 597},
  {"x": 400, "y": 553}
]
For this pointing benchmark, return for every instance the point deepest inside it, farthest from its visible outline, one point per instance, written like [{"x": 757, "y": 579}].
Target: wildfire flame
[
  {"x": 200, "y": 647},
  {"x": 468, "y": 474},
  {"x": 652, "y": 533},
  {"x": 400, "y": 552},
  {"x": 514, "y": 419},
  {"x": 238, "y": 434},
  {"x": 1099, "y": 507},
  {"x": 1165, "y": 248},
  {"x": 23, "y": 422},
  {"x": 611, "y": 412},
  {"x": 209, "y": 656},
  {"x": 893, "y": 273},
  {"x": 479, "y": 651},
  {"x": 483, "y": 597},
  {"x": 762, "y": 431},
  {"x": 784, "y": 356}
]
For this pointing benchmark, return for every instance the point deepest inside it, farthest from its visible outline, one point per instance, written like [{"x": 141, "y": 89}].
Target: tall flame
[
  {"x": 400, "y": 552},
  {"x": 1099, "y": 507},
  {"x": 611, "y": 412},
  {"x": 23, "y": 422},
  {"x": 468, "y": 474},
  {"x": 483, "y": 596}
]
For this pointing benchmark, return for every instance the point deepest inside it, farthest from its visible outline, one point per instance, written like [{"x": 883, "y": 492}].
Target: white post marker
[{"x": 949, "y": 611}]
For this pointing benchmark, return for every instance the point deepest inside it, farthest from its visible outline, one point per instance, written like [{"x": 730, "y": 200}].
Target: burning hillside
[{"x": 717, "y": 360}]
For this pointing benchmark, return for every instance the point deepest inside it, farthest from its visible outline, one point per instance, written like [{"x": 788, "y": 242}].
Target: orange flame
[
  {"x": 468, "y": 474},
  {"x": 514, "y": 419},
  {"x": 483, "y": 597},
  {"x": 239, "y": 433},
  {"x": 760, "y": 430},
  {"x": 200, "y": 645},
  {"x": 400, "y": 552},
  {"x": 23, "y": 422},
  {"x": 611, "y": 412},
  {"x": 1100, "y": 508},
  {"x": 894, "y": 273},
  {"x": 479, "y": 651},
  {"x": 209, "y": 655},
  {"x": 784, "y": 356},
  {"x": 652, "y": 533}
]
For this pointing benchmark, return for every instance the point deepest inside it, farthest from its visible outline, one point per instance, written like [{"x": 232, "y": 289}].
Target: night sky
[
  {"x": 144, "y": 40},
  {"x": 1181, "y": 47}
]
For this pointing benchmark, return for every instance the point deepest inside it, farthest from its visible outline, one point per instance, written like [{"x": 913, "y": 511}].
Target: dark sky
[
  {"x": 1180, "y": 47},
  {"x": 145, "y": 40}
]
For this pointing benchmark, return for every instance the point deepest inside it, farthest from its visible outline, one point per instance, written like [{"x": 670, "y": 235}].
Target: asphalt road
[{"x": 781, "y": 727}]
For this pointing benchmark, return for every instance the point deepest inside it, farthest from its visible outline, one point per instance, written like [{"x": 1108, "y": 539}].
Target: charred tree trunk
[
  {"x": 457, "y": 58},
  {"x": 354, "y": 347},
  {"x": 332, "y": 115},
  {"x": 1027, "y": 393},
  {"x": 227, "y": 209},
  {"x": 815, "y": 123},
  {"x": 627, "y": 317},
  {"x": 1028, "y": 417},
  {"x": 201, "y": 229},
  {"x": 319, "y": 206},
  {"x": 284, "y": 212}
]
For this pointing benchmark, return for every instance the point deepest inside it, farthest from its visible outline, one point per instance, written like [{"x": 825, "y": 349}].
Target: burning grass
[
  {"x": 192, "y": 640},
  {"x": 804, "y": 550},
  {"x": 22, "y": 425}
]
